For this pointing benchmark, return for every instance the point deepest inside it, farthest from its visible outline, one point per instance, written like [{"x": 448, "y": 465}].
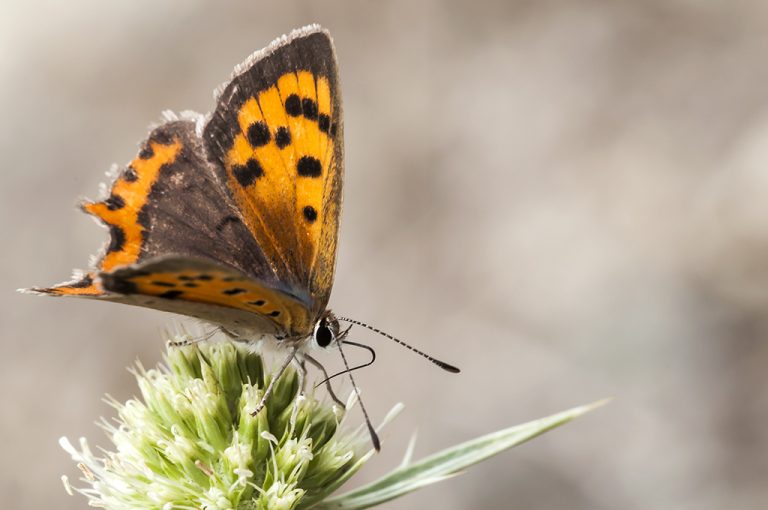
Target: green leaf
[{"x": 409, "y": 477}]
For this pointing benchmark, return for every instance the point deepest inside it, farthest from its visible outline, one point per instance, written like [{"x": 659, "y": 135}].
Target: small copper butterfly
[{"x": 233, "y": 217}]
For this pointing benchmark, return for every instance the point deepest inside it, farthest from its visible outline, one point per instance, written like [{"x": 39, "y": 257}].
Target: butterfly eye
[{"x": 323, "y": 335}]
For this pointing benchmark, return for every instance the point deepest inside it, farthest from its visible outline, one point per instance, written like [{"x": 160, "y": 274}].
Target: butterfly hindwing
[
  {"x": 167, "y": 201},
  {"x": 276, "y": 141},
  {"x": 120, "y": 212},
  {"x": 188, "y": 214},
  {"x": 207, "y": 290}
]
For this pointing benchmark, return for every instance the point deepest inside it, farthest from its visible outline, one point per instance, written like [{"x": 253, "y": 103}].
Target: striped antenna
[
  {"x": 442, "y": 364},
  {"x": 371, "y": 430}
]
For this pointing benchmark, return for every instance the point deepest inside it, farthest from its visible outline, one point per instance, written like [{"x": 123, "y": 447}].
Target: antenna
[
  {"x": 445, "y": 366},
  {"x": 357, "y": 367},
  {"x": 371, "y": 431}
]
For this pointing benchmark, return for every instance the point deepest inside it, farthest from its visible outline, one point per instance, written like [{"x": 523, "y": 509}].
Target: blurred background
[{"x": 567, "y": 199}]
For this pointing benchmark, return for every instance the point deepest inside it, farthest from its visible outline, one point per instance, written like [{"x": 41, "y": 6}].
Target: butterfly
[{"x": 233, "y": 217}]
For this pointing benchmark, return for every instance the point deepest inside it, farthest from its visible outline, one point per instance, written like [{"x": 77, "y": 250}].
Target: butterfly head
[{"x": 327, "y": 330}]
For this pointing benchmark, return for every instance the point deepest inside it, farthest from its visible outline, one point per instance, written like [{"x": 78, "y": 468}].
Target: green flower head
[{"x": 191, "y": 441}]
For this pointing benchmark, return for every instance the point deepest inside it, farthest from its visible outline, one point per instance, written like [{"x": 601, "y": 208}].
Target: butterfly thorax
[{"x": 324, "y": 331}]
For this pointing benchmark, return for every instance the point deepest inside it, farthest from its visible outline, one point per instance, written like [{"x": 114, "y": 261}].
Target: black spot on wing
[
  {"x": 293, "y": 105},
  {"x": 248, "y": 173},
  {"x": 324, "y": 123},
  {"x": 117, "y": 239},
  {"x": 130, "y": 175},
  {"x": 258, "y": 134},
  {"x": 235, "y": 291},
  {"x": 171, "y": 294},
  {"x": 274, "y": 313},
  {"x": 163, "y": 284},
  {"x": 309, "y": 167},
  {"x": 114, "y": 202},
  {"x": 309, "y": 108},
  {"x": 259, "y": 302},
  {"x": 310, "y": 214},
  {"x": 282, "y": 137},
  {"x": 146, "y": 152}
]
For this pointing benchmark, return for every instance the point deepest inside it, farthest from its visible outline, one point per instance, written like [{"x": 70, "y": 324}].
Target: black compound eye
[{"x": 323, "y": 336}]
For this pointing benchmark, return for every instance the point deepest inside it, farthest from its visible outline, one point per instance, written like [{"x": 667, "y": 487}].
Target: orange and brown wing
[
  {"x": 168, "y": 201},
  {"x": 120, "y": 211},
  {"x": 276, "y": 140},
  {"x": 209, "y": 291}
]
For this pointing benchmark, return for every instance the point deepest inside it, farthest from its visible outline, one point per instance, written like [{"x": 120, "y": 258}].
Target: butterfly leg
[
  {"x": 181, "y": 343},
  {"x": 302, "y": 371},
  {"x": 274, "y": 379},
  {"x": 328, "y": 386},
  {"x": 187, "y": 341}
]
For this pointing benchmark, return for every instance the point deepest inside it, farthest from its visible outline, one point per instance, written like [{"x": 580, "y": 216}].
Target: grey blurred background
[{"x": 567, "y": 199}]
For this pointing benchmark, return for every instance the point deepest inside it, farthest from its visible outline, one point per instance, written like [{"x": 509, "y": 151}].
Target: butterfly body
[{"x": 233, "y": 217}]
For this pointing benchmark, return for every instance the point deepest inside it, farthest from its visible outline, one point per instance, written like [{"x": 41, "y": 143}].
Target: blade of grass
[{"x": 449, "y": 462}]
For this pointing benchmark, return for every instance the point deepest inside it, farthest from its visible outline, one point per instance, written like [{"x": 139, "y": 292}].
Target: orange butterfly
[{"x": 233, "y": 218}]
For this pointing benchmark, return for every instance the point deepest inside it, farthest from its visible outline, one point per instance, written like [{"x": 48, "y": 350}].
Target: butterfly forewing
[{"x": 275, "y": 137}]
